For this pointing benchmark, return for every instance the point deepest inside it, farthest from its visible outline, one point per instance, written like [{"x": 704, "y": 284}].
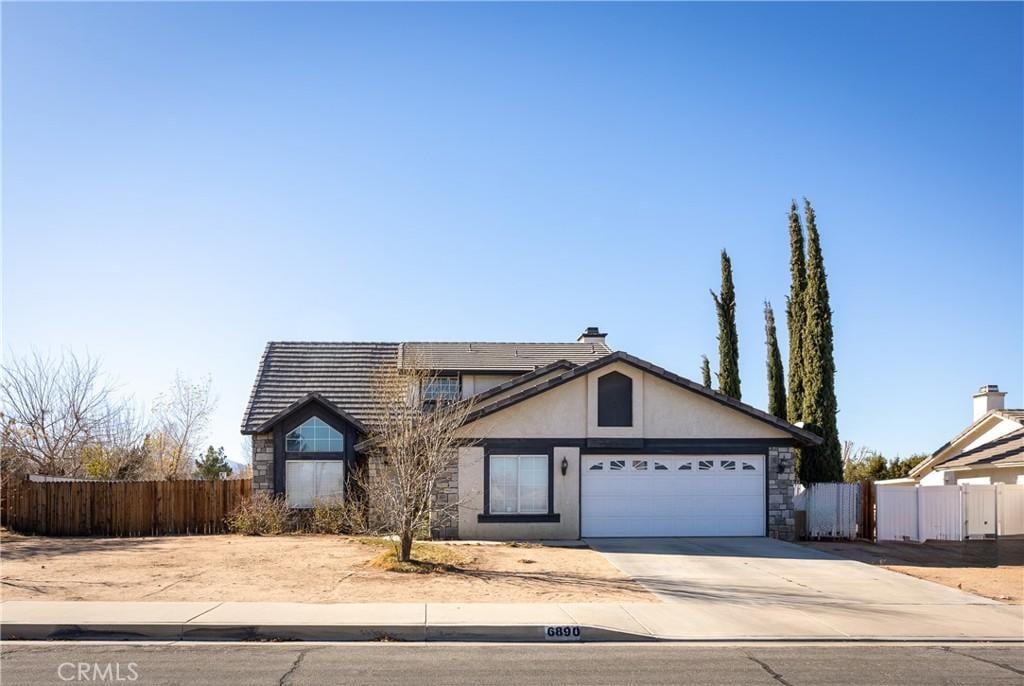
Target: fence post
[{"x": 917, "y": 514}]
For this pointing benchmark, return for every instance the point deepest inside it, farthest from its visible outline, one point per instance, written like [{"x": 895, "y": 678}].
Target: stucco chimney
[
  {"x": 591, "y": 335},
  {"x": 988, "y": 398}
]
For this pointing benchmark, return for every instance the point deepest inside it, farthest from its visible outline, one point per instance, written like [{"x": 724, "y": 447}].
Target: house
[
  {"x": 989, "y": 451},
  {"x": 564, "y": 439}
]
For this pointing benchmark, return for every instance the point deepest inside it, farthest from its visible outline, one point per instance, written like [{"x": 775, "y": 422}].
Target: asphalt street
[{"x": 283, "y": 664}]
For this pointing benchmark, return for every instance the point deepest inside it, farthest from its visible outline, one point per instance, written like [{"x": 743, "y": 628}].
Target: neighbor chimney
[
  {"x": 988, "y": 398},
  {"x": 591, "y": 335}
]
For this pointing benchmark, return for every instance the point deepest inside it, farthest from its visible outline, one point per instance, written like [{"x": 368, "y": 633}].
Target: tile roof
[
  {"x": 497, "y": 357},
  {"x": 1013, "y": 415},
  {"x": 343, "y": 372},
  {"x": 1008, "y": 449}
]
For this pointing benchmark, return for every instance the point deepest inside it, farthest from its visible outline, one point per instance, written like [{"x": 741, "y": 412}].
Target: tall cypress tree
[
  {"x": 776, "y": 381},
  {"x": 728, "y": 341},
  {"x": 795, "y": 315},
  {"x": 824, "y": 462},
  {"x": 705, "y": 371}
]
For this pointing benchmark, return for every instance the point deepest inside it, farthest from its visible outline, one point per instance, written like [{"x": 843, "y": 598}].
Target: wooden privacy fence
[{"x": 122, "y": 508}]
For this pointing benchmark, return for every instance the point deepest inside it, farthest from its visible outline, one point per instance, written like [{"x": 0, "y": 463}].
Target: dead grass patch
[
  {"x": 301, "y": 568},
  {"x": 427, "y": 558}
]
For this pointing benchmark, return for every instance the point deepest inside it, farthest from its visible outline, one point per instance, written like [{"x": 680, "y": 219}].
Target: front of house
[{"x": 565, "y": 440}]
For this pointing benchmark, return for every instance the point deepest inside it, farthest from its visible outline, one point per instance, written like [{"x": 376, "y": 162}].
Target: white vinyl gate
[
  {"x": 948, "y": 513},
  {"x": 833, "y": 510},
  {"x": 673, "y": 495}
]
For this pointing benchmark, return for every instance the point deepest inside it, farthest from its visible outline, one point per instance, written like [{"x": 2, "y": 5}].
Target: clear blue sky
[{"x": 183, "y": 182}]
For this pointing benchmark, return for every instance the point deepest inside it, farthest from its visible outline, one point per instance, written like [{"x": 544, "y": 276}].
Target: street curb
[
  {"x": 305, "y": 632},
  {"x": 523, "y": 633}
]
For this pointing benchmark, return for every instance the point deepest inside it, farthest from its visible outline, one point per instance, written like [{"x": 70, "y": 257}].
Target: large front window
[
  {"x": 519, "y": 484},
  {"x": 310, "y": 481},
  {"x": 314, "y": 436}
]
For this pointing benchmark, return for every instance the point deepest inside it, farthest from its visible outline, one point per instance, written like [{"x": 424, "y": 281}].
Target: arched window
[
  {"x": 615, "y": 400},
  {"x": 314, "y": 436}
]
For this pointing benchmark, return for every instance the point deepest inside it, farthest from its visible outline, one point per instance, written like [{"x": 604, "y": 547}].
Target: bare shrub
[
  {"x": 413, "y": 445},
  {"x": 261, "y": 515},
  {"x": 182, "y": 417}
]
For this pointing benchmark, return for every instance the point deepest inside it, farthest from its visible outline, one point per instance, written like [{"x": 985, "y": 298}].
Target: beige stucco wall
[
  {"x": 478, "y": 383},
  {"x": 1008, "y": 475},
  {"x": 558, "y": 413},
  {"x": 660, "y": 410},
  {"x": 471, "y": 503},
  {"x": 674, "y": 412}
]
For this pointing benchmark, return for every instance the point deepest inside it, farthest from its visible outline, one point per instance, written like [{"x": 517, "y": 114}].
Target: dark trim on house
[
  {"x": 302, "y": 402},
  {"x": 310, "y": 409},
  {"x": 646, "y": 446},
  {"x": 517, "y": 447},
  {"x": 518, "y": 518},
  {"x": 615, "y": 443},
  {"x": 803, "y": 436},
  {"x": 520, "y": 380}
]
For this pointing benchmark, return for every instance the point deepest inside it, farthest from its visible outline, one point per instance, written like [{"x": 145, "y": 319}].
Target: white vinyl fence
[
  {"x": 948, "y": 513},
  {"x": 833, "y": 510}
]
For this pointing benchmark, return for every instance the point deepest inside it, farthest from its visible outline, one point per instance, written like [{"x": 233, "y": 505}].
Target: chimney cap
[
  {"x": 989, "y": 388},
  {"x": 591, "y": 333}
]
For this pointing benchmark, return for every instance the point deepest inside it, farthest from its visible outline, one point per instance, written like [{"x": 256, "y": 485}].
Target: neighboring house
[
  {"x": 989, "y": 451},
  {"x": 564, "y": 440}
]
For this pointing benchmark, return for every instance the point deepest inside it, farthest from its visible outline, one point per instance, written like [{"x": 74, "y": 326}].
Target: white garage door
[{"x": 641, "y": 495}]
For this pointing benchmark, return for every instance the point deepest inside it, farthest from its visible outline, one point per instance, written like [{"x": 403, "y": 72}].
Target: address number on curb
[{"x": 562, "y": 633}]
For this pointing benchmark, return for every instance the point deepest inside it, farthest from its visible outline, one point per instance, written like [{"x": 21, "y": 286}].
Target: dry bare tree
[
  {"x": 117, "y": 449},
  {"x": 412, "y": 445},
  {"x": 52, "y": 408},
  {"x": 181, "y": 420}
]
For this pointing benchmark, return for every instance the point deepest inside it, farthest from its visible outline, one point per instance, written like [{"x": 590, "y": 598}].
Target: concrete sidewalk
[{"x": 703, "y": 620}]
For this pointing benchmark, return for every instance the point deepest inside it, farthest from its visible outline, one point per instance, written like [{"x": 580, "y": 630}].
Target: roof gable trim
[
  {"x": 303, "y": 402},
  {"x": 802, "y": 435}
]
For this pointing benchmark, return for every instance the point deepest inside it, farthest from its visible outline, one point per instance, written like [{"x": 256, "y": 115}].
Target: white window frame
[
  {"x": 519, "y": 486},
  {"x": 316, "y": 485}
]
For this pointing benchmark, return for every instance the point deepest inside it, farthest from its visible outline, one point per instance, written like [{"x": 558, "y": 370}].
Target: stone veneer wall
[
  {"x": 263, "y": 462},
  {"x": 781, "y": 520},
  {"x": 444, "y": 520}
]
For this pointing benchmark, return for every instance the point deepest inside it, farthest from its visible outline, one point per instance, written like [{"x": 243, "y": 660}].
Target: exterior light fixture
[{"x": 565, "y": 466}]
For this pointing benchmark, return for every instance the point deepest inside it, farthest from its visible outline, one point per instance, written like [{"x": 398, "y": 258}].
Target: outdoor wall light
[{"x": 565, "y": 466}]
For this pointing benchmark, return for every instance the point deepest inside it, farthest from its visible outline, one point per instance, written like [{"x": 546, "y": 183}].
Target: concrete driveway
[{"x": 755, "y": 586}]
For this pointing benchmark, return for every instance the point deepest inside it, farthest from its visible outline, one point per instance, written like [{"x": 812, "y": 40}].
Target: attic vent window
[{"x": 615, "y": 400}]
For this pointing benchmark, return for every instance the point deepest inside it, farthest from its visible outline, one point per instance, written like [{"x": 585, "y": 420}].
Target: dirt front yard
[
  {"x": 994, "y": 569},
  {"x": 314, "y": 569}
]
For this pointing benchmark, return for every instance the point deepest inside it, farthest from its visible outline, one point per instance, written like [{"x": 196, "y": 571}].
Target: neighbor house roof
[
  {"x": 985, "y": 422},
  {"x": 342, "y": 373},
  {"x": 1002, "y": 452},
  {"x": 496, "y": 357},
  {"x": 802, "y": 435}
]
